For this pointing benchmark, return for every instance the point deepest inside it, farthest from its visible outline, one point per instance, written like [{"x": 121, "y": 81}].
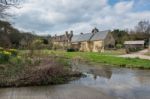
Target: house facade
[
  {"x": 81, "y": 42},
  {"x": 96, "y": 41},
  {"x": 62, "y": 41},
  {"x": 102, "y": 40}
]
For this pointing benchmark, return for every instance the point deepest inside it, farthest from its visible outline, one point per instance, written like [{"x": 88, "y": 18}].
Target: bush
[
  {"x": 15, "y": 60},
  {"x": 119, "y": 46},
  {"x": 134, "y": 49},
  {"x": 13, "y": 52},
  {"x": 71, "y": 50},
  {"x": 4, "y": 56},
  {"x": 1, "y": 49}
]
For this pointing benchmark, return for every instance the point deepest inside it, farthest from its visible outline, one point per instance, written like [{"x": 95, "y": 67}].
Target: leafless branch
[{"x": 6, "y": 4}]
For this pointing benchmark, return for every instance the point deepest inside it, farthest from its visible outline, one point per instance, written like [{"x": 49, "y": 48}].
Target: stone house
[
  {"x": 62, "y": 41},
  {"x": 81, "y": 42},
  {"x": 96, "y": 41},
  {"x": 102, "y": 40},
  {"x": 132, "y": 46}
]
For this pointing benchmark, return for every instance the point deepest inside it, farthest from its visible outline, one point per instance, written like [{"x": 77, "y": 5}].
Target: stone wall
[{"x": 98, "y": 46}]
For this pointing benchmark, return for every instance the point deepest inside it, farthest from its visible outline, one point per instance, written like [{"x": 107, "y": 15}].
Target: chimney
[
  {"x": 55, "y": 36},
  {"x": 95, "y": 30},
  {"x": 66, "y": 33},
  {"x": 71, "y": 33},
  {"x": 81, "y": 33}
]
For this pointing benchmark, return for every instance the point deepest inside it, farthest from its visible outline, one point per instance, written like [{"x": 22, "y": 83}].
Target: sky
[{"x": 50, "y": 17}]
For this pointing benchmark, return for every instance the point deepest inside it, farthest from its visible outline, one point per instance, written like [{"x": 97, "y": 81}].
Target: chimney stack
[
  {"x": 71, "y": 33},
  {"x": 95, "y": 30},
  {"x": 66, "y": 33}
]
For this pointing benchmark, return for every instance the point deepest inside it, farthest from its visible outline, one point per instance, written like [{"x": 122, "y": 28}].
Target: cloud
[
  {"x": 57, "y": 16},
  {"x": 123, "y": 6}
]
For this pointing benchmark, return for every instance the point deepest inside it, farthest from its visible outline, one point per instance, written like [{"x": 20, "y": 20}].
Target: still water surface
[{"x": 100, "y": 82}]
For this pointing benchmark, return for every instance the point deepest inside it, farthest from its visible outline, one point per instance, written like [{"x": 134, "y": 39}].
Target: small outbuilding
[{"x": 133, "y": 46}]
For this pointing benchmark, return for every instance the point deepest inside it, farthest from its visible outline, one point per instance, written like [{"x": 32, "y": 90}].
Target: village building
[
  {"x": 96, "y": 41},
  {"x": 132, "y": 46},
  {"x": 81, "y": 42},
  {"x": 62, "y": 41},
  {"x": 102, "y": 40}
]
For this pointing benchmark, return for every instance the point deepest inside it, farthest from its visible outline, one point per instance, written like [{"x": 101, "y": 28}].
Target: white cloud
[
  {"x": 123, "y": 6},
  {"x": 57, "y": 16}
]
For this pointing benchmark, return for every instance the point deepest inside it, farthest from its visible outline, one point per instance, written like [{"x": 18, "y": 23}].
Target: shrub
[
  {"x": 134, "y": 49},
  {"x": 13, "y": 52},
  {"x": 4, "y": 56},
  {"x": 15, "y": 60},
  {"x": 71, "y": 50},
  {"x": 119, "y": 46},
  {"x": 1, "y": 49}
]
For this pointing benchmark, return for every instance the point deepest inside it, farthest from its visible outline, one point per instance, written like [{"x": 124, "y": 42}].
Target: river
[{"x": 100, "y": 82}]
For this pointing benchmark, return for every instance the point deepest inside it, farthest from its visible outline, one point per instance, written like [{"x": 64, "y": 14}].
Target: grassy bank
[
  {"x": 38, "y": 69},
  {"x": 106, "y": 58}
]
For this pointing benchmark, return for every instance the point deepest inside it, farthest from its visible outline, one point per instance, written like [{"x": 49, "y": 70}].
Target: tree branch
[{"x": 6, "y": 4}]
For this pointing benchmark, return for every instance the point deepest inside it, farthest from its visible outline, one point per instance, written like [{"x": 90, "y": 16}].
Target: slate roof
[
  {"x": 82, "y": 37},
  {"x": 134, "y": 42},
  {"x": 99, "y": 35}
]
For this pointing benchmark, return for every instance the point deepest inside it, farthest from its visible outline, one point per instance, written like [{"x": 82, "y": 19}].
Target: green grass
[
  {"x": 109, "y": 58},
  {"x": 105, "y": 58},
  {"x": 115, "y": 52}
]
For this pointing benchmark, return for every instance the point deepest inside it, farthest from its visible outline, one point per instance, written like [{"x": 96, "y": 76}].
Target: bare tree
[
  {"x": 143, "y": 27},
  {"x": 6, "y": 4}
]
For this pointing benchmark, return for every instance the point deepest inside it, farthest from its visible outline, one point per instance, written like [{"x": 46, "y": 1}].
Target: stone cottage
[
  {"x": 81, "y": 42},
  {"x": 96, "y": 41},
  {"x": 62, "y": 41},
  {"x": 102, "y": 40}
]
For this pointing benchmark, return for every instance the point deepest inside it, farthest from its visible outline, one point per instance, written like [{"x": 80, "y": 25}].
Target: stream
[{"x": 99, "y": 82}]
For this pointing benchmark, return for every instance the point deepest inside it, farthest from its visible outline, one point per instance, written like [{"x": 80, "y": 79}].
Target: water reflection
[
  {"x": 96, "y": 71},
  {"x": 102, "y": 72},
  {"x": 101, "y": 82}
]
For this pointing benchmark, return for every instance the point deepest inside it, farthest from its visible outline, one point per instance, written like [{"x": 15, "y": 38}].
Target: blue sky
[
  {"x": 57, "y": 16},
  {"x": 112, "y": 2},
  {"x": 139, "y": 5}
]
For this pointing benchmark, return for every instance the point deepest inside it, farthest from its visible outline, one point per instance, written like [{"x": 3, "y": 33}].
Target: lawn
[{"x": 105, "y": 58}]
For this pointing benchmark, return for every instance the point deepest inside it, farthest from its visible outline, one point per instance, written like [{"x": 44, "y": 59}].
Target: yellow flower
[{"x": 6, "y": 53}]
